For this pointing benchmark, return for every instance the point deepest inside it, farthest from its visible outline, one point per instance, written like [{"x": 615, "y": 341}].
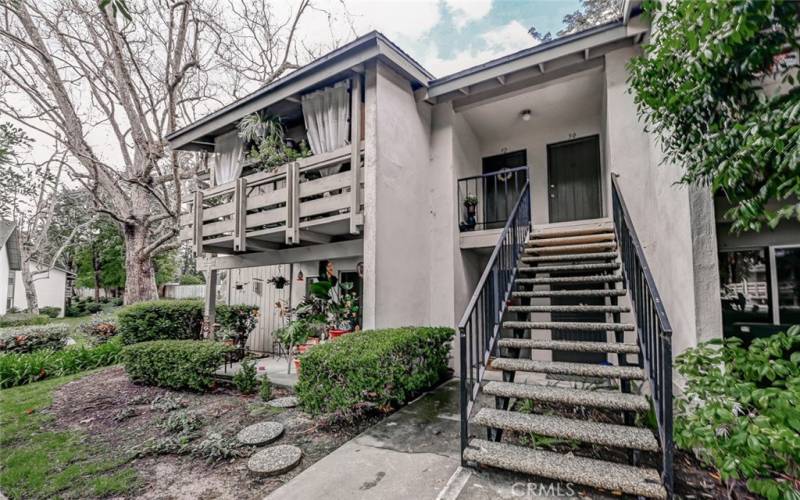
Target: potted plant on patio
[{"x": 291, "y": 336}]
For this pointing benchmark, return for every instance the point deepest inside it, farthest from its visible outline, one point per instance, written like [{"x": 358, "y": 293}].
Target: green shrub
[
  {"x": 93, "y": 307},
  {"x": 245, "y": 379},
  {"x": 379, "y": 367},
  {"x": 180, "y": 320},
  {"x": 18, "y": 369},
  {"x": 116, "y": 301},
  {"x": 191, "y": 279},
  {"x": 22, "y": 319},
  {"x": 265, "y": 388},
  {"x": 739, "y": 409},
  {"x": 176, "y": 364},
  {"x": 161, "y": 320},
  {"x": 33, "y": 338},
  {"x": 50, "y": 312}
]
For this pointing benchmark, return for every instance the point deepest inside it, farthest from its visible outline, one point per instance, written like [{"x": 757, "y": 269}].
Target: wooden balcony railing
[{"x": 308, "y": 201}]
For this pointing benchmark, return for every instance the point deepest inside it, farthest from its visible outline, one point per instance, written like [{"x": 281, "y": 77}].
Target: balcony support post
[
  {"x": 210, "y": 304},
  {"x": 292, "y": 204},
  {"x": 356, "y": 217},
  {"x": 240, "y": 215},
  {"x": 197, "y": 234}
]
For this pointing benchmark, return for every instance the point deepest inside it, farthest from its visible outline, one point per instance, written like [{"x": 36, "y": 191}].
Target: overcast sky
[{"x": 449, "y": 35}]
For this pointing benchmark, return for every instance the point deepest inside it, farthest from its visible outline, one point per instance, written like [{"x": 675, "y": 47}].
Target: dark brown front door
[{"x": 573, "y": 175}]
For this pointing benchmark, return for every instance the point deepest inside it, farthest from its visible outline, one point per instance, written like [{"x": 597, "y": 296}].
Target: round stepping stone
[
  {"x": 275, "y": 460},
  {"x": 287, "y": 402},
  {"x": 260, "y": 433}
]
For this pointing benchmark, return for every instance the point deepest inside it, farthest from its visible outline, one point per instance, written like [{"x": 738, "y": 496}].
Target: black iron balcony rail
[
  {"x": 480, "y": 326},
  {"x": 485, "y": 201},
  {"x": 653, "y": 328}
]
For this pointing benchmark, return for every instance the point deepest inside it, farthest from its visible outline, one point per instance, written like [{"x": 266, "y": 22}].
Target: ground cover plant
[{"x": 739, "y": 411}]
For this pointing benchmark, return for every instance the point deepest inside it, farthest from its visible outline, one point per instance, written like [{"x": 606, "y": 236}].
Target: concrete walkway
[{"x": 411, "y": 454}]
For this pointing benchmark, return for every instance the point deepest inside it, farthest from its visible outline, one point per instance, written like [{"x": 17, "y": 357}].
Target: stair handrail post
[
  {"x": 654, "y": 337},
  {"x": 480, "y": 324}
]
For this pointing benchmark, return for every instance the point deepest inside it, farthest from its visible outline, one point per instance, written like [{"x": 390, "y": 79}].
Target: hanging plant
[
  {"x": 278, "y": 281},
  {"x": 267, "y": 145}
]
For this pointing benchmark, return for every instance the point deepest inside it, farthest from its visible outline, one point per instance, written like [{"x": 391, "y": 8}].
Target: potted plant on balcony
[
  {"x": 266, "y": 143},
  {"x": 470, "y": 203}
]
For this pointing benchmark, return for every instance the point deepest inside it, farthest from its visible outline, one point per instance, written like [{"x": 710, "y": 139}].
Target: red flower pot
[
  {"x": 335, "y": 333},
  {"x": 302, "y": 348},
  {"x": 296, "y": 365}
]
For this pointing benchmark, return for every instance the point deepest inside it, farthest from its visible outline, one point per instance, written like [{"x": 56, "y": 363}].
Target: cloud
[
  {"x": 498, "y": 42},
  {"x": 511, "y": 37},
  {"x": 466, "y": 11}
]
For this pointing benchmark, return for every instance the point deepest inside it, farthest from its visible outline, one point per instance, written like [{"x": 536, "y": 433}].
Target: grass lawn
[{"x": 39, "y": 462}]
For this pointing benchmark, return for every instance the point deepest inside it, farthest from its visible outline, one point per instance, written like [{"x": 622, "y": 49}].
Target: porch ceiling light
[{"x": 526, "y": 115}]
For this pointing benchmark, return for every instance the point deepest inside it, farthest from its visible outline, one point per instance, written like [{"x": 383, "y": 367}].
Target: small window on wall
[
  {"x": 10, "y": 295},
  {"x": 759, "y": 290}
]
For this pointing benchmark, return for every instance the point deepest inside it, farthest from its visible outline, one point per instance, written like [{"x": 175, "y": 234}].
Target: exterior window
[
  {"x": 787, "y": 271},
  {"x": 10, "y": 296},
  {"x": 744, "y": 288},
  {"x": 759, "y": 290}
]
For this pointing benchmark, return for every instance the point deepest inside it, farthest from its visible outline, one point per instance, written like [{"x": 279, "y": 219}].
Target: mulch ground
[{"x": 117, "y": 415}]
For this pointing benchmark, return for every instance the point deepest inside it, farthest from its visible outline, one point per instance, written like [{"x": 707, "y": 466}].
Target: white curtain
[
  {"x": 228, "y": 159},
  {"x": 325, "y": 113}
]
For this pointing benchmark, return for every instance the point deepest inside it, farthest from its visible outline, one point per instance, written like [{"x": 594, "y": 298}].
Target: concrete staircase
[{"x": 578, "y": 266}]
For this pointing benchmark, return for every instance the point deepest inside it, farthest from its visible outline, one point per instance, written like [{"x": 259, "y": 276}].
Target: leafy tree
[
  {"x": 101, "y": 258},
  {"x": 590, "y": 14},
  {"x": 13, "y": 183},
  {"x": 717, "y": 86}
]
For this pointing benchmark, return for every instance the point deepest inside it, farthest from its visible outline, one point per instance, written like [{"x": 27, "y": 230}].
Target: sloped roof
[{"x": 8, "y": 240}]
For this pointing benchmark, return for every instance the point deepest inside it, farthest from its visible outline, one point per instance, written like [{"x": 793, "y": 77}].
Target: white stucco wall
[
  {"x": 50, "y": 289},
  {"x": 674, "y": 223},
  {"x": 3, "y": 279},
  {"x": 397, "y": 213}
]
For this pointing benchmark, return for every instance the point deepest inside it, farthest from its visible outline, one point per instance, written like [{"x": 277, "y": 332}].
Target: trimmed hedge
[
  {"x": 161, "y": 320},
  {"x": 50, "y": 311},
  {"x": 22, "y": 319},
  {"x": 380, "y": 367},
  {"x": 33, "y": 338},
  {"x": 19, "y": 369},
  {"x": 176, "y": 364},
  {"x": 179, "y": 320}
]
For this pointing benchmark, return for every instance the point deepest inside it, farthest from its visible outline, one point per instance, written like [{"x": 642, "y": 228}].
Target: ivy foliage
[
  {"x": 740, "y": 411},
  {"x": 717, "y": 84}
]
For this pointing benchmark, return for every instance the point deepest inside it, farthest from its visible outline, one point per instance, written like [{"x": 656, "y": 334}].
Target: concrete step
[
  {"x": 570, "y": 240},
  {"x": 570, "y": 325},
  {"x": 572, "y": 293},
  {"x": 568, "y": 468},
  {"x": 618, "y": 436},
  {"x": 556, "y": 232},
  {"x": 588, "y": 268},
  {"x": 570, "y": 345},
  {"x": 562, "y": 368},
  {"x": 608, "y": 278},
  {"x": 573, "y": 249},
  {"x": 575, "y": 397},
  {"x": 571, "y": 257},
  {"x": 578, "y": 309}
]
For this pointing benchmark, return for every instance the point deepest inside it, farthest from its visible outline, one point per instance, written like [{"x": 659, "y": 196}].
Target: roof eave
[{"x": 335, "y": 63}]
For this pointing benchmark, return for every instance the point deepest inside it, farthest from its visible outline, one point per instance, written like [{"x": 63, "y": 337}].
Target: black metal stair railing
[
  {"x": 652, "y": 325},
  {"x": 481, "y": 323}
]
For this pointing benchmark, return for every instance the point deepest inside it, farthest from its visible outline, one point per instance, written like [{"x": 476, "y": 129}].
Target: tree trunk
[
  {"x": 30, "y": 288},
  {"x": 140, "y": 277},
  {"x": 96, "y": 268}
]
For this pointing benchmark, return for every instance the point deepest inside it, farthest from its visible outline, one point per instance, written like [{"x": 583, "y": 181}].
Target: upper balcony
[
  {"x": 254, "y": 205},
  {"x": 312, "y": 200}
]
